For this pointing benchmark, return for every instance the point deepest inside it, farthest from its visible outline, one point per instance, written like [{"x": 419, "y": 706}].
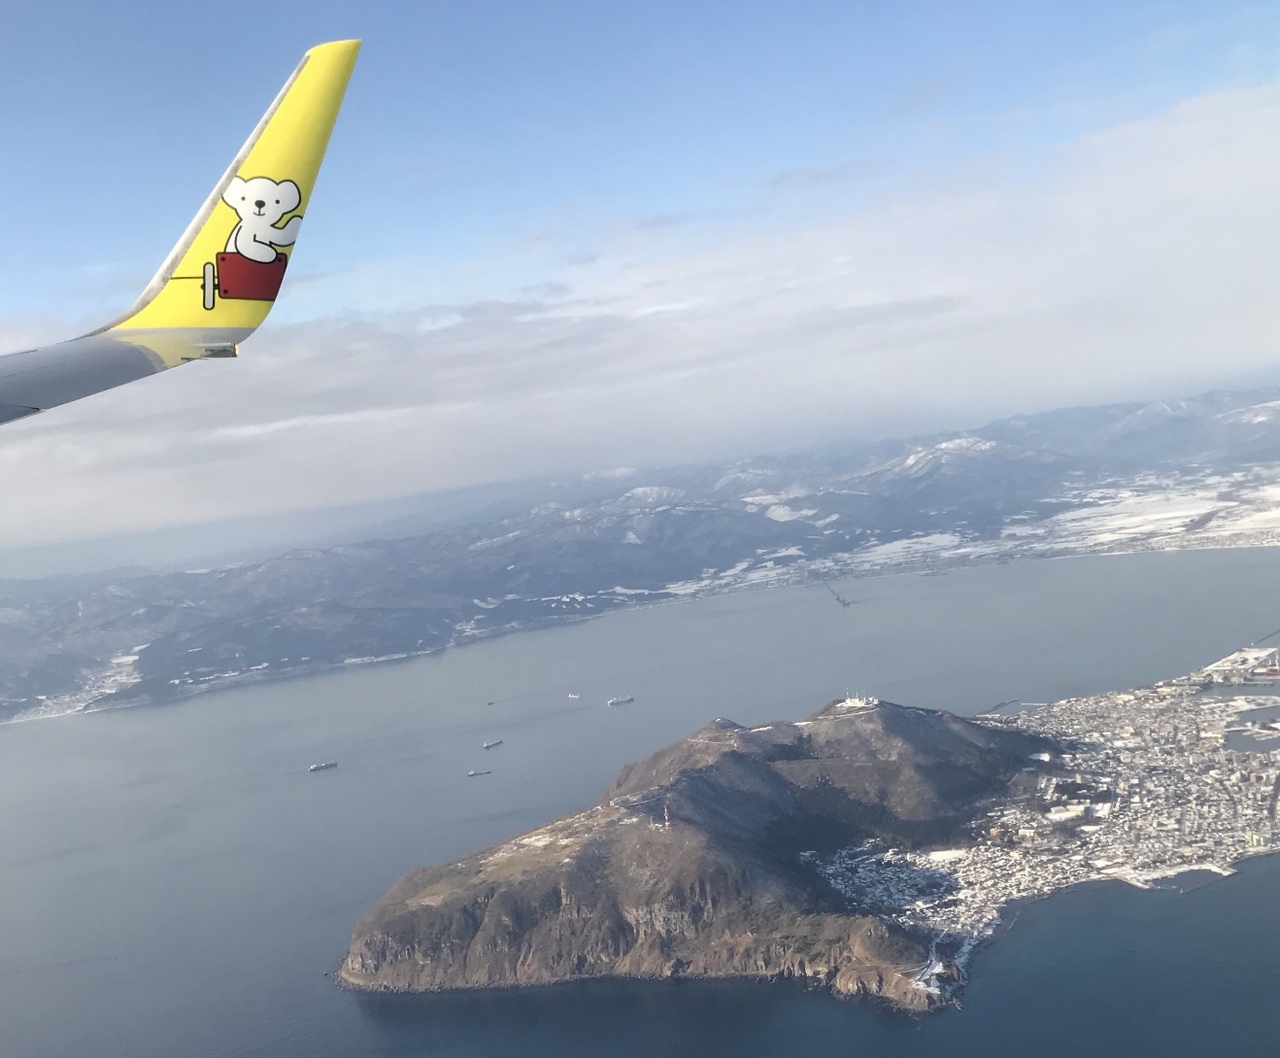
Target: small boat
[
  {"x": 490, "y": 745},
  {"x": 490, "y": 703},
  {"x": 574, "y": 697},
  {"x": 472, "y": 774},
  {"x": 323, "y": 767},
  {"x": 621, "y": 699}
]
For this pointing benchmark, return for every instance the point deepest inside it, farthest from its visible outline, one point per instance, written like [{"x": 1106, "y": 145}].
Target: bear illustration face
[{"x": 260, "y": 200}]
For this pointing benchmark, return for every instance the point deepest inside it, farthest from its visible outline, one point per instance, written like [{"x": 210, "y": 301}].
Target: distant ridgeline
[{"x": 610, "y": 540}]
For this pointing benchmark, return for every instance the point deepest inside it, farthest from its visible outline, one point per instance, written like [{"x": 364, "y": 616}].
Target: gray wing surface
[{"x": 55, "y": 374}]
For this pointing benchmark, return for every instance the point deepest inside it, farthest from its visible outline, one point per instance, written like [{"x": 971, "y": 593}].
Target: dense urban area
[{"x": 1154, "y": 782}]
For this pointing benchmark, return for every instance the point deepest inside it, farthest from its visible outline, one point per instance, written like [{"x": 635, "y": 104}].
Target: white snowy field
[
  {"x": 1240, "y": 509},
  {"x": 1222, "y": 510}
]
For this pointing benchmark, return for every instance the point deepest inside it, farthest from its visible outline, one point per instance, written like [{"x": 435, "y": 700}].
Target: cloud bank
[{"x": 1141, "y": 262}]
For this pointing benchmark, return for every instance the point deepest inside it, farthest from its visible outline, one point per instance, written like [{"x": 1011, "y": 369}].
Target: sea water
[{"x": 174, "y": 881}]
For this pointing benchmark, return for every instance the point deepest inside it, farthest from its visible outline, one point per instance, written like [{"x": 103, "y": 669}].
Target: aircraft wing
[{"x": 220, "y": 281}]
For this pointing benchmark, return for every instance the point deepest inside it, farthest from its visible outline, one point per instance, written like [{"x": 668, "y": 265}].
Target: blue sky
[
  {"x": 685, "y": 229},
  {"x": 534, "y": 132}
]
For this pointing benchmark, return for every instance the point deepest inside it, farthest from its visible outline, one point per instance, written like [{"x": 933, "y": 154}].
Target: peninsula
[
  {"x": 708, "y": 859},
  {"x": 868, "y": 849}
]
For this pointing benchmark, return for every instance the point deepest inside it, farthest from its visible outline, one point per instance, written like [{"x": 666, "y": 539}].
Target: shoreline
[
  {"x": 1115, "y": 743},
  {"x": 833, "y": 569}
]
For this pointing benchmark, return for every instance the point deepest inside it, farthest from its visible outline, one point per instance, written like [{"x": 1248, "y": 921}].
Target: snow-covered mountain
[{"x": 1196, "y": 472}]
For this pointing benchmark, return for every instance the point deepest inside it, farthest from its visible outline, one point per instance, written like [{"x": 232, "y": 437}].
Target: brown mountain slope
[{"x": 721, "y": 889}]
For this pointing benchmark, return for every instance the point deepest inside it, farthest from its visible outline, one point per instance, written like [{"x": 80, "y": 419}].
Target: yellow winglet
[{"x": 220, "y": 281}]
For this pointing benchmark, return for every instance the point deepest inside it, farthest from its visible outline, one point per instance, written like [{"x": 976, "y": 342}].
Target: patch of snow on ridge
[
  {"x": 965, "y": 444},
  {"x": 1252, "y": 416},
  {"x": 780, "y": 512},
  {"x": 494, "y": 541},
  {"x": 923, "y": 458},
  {"x": 791, "y": 492},
  {"x": 654, "y": 495}
]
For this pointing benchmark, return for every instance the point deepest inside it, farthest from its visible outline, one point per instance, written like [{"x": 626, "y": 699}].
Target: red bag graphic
[{"x": 248, "y": 280}]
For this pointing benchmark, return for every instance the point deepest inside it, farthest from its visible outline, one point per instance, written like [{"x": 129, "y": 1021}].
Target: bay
[{"x": 174, "y": 881}]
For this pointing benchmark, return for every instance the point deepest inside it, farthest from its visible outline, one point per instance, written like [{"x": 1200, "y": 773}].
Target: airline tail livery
[{"x": 220, "y": 281}]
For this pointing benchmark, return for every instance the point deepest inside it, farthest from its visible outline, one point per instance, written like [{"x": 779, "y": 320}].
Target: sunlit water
[{"x": 174, "y": 882}]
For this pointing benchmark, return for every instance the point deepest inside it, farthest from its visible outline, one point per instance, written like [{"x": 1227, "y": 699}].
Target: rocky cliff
[{"x": 693, "y": 863}]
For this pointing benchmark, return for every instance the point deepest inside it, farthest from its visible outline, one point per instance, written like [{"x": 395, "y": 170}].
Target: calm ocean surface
[{"x": 174, "y": 882}]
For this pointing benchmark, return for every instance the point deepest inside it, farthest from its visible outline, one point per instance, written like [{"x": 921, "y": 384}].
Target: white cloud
[
  {"x": 1141, "y": 262},
  {"x": 299, "y": 422}
]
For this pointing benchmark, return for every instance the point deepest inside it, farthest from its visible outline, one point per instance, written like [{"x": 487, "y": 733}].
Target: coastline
[
  {"x": 229, "y": 773},
  {"x": 1136, "y": 786},
  {"x": 854, "y": 565}
]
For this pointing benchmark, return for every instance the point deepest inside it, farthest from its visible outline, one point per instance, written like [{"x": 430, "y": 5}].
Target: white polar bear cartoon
[{"x": 260, "y": 202}]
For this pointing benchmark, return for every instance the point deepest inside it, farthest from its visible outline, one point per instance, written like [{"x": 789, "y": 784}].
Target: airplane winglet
[
  {"x": 220, "y": 281},
  {"x": 225, "y": 271}
]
